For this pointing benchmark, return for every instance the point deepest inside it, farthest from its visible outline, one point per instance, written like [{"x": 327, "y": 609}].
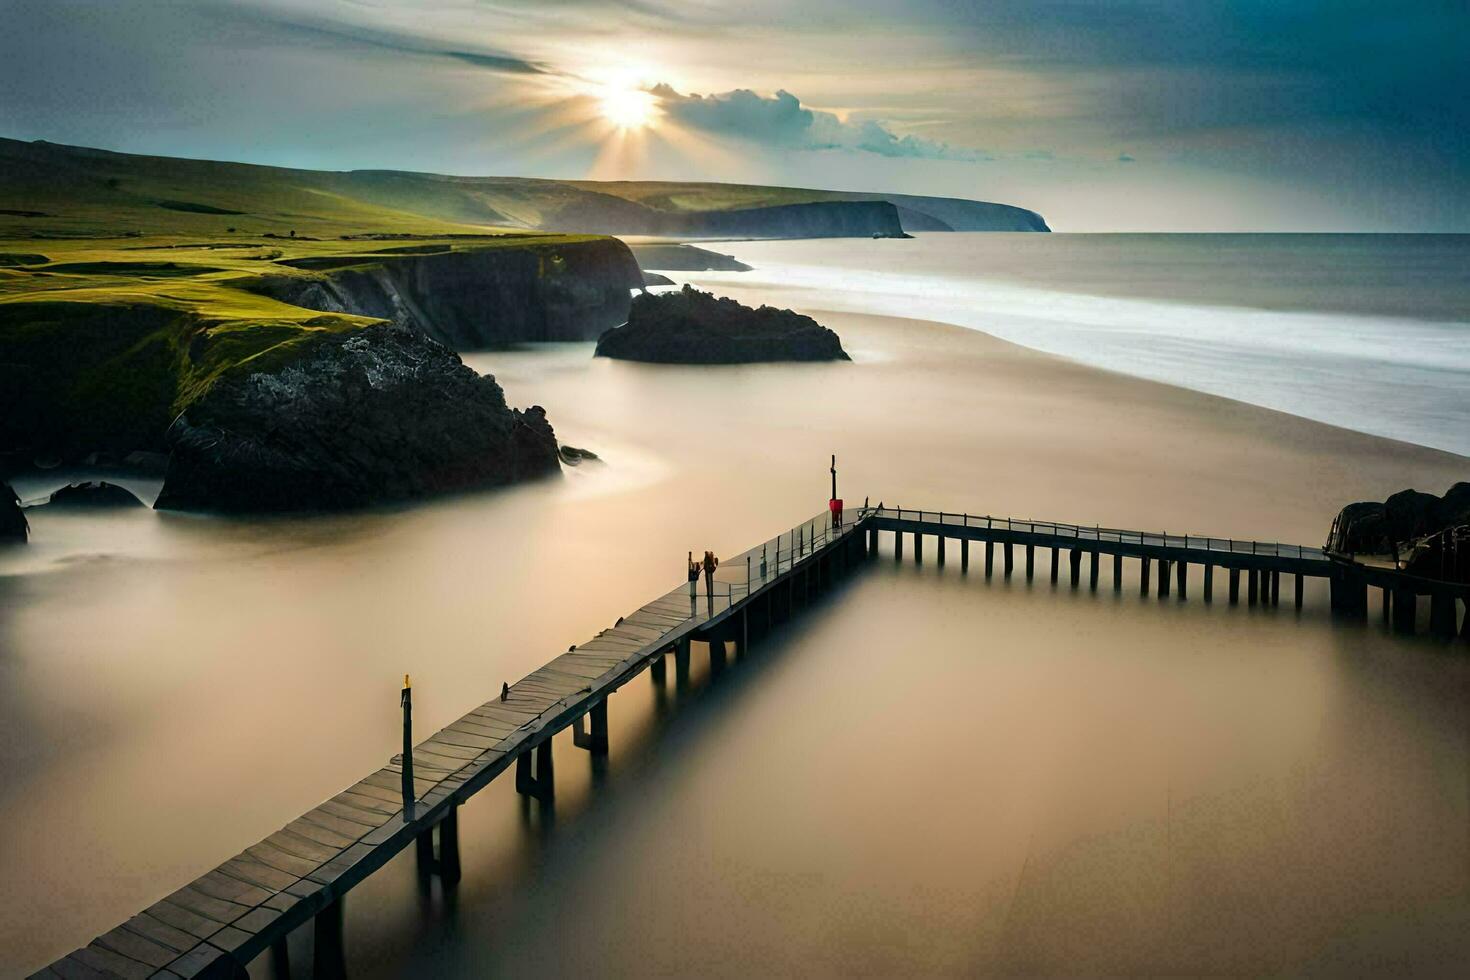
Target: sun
[{"x": 627, "y": 106}]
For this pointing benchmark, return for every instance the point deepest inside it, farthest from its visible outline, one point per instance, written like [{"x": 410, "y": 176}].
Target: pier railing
[{"x": 1079, "y": 532}]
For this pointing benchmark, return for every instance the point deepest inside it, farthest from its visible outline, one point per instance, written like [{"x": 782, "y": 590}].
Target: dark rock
[
  {"x": 13, "y": 525},
  {"x": 693, "y": 327},
  {"x": 685, "y": 258},
  {"x": 373, "y": 416},
  {"x": 572, "y": 456},
  {"x": 80, "y": 496},
  {"x": 1429, "y": 535}
]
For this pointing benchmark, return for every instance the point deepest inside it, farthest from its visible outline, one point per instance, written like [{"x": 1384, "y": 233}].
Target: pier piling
[
  {"x": 1163, "y": 578},
  {"x": 1182, "y": 579},
  {"x": 941, "y": 551},
  {"x": 1010, "y": 559},
  {"x": 1093, "y": 558},
  {"x": 989, "y": 557},
  {"x": 1234, "y": 586},
  {"x": 1030, "y": 561},
  {"x": 1252, "y": 587},
  {"x": 1143, "y": 564},
  {"x": 327, "y": 959},
  {"x": 1118, "y": 571},
  {"x": 1209, "y": 582},
  {"x": 1074, "y": 557},
  {"x": 918, "y": 548},
  {"x": 964, "y": 554},
  {"x": 1055, "y": 562}
]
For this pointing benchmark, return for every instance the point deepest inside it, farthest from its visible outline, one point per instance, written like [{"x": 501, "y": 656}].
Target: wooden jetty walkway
[{"x": 217, "y": 924}]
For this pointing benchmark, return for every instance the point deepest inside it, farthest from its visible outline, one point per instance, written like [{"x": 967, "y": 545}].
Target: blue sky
[{"x": 1101, "y": 114}]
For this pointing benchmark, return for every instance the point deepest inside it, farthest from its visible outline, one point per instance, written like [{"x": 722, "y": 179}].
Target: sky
[{"x": 1103, "y": 115}]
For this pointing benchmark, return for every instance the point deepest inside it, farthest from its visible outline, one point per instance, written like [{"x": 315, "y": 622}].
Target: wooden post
[
  {"x": 1442, "y": 615},
  {"x": 873, "y": 543},
  {"x": 1182, "y": 579},
  {"x": 1299, "y": 590},
  {"x": 1010, "y": 562},
  {"x": 1387, "y": 604},
  {"x": 545, "y": 778},
  {"x": 1075, "y": 558},
  {"x": 964, "y": 554},
  {"x": 716, "y": 655},
  {"x": 1252, "y": 586},
  {"x": 1234, "y": 586},
  {"x": 898, "y": 546},
  {"x": 1209, "y": 582},
  {"x": 989, "y": 557},
  {"x": 449, "y": 870},
  {"x": 1092, "y": 571},
  {"x": 1118, "y": 571},
  {"x": 1275, "y": 588},
  {"x": 328, "y": 960},
  {"x": 406, "y": 784},
  {"x": 281, "y": 959},
  {"x": 1056, "y": 561},
  {"x": 1163, "y": 577},
  {"x": 1030, "y": 561},
  {"x": 659, "y": 672},
  {"x": 1143, "y": 575},
  {"x": 941, "y": 551},
  {"x": 1405, "y": 609},
  {"x": 918, "y": 548},
  {"x": 594, "y": 741}
]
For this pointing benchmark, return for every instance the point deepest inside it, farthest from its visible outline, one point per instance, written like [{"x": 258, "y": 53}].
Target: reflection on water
[{"x": 928, "y": 774}]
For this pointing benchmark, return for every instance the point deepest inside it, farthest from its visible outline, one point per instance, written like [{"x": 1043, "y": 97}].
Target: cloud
[
  {"x": 782, "y": 121},
  {"x": 339, "y": 35}
]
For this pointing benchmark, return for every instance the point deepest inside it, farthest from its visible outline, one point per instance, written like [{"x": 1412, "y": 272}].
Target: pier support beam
[
  {"x": 964, "y": 554},
  {"x": 1405, "y": 609},
  {"x": 1163, "y": 577},
  {"x": 1299, "y": 578},
  {"x": 1252, "y": 586},
  {"x": 1056, "y": 558},
  {"x": 1094, "y": 557},
  {"x": 941, "y": 551},
  {"x": 280, "y": 959},
  {"x": 448, "y": 864},
  {"x": 1143, "y": 566},
  {"x": 1276, "y": 588},
  {"x": 1118, "y": 572},
  {"x": 1387, "y": 605},
  {"x": 541, "y": 783},
  {"x": 918, "y": 548},
  {"x": 1075, "y": 558},
  {"x": 1442, "y": 616},
  {"x": 1209, "y": 582},
  {"x": 1030, "y": 561},
  {"x": 659, "y": 672},
  {"x": 1182, "y": 579},
  {"x": 327, "y": 959},
  {"x": 873, "y": 543},
  {"x": 898, "y": 546},
  {"x": 989, "y": 557},
  {"x": 681, "y": 660},
  {"x": 1234, "y": 586},
  {"x": 1010, "y": 559},
  {"x": 595, "y": 740}
]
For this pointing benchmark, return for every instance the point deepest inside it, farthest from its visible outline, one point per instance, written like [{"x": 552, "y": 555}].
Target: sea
[{"x": 928, "y": 772}]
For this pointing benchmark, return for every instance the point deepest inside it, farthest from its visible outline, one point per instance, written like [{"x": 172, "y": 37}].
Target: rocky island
[{"x": 693, "y": 327}]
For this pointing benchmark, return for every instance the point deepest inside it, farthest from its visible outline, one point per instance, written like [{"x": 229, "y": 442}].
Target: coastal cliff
[
  {"x": 298, "y": 375},
  {"x": 470, "y": 298}
]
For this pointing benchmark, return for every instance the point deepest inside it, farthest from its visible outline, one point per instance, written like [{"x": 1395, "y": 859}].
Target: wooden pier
[{"x": 217, "y": 924}]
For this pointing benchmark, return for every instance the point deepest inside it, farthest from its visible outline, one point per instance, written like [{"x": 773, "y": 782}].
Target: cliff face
[
  {"x": 368, "y": 417},
  {"x": 472, "y": 299}
]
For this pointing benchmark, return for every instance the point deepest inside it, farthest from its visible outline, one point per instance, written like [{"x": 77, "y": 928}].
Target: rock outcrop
[
  {"x": 1428, "y": 535},
  {"x": 478, "y": 298},
  {"x": 93, "y": 496},
  {"x": 685, "y": 258},
  {"x": 13, "y": 525},
  {"x": 692, "y": 327},
  {"x": 363, "y": 418}
]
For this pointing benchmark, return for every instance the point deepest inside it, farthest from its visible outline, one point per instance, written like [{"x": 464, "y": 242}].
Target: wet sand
[{"x": 931, "y": 774}]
